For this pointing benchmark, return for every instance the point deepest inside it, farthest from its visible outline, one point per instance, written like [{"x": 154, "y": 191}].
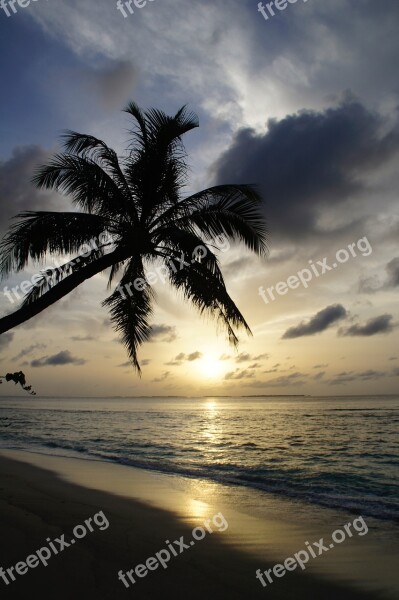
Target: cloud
[
  {"x": 320, "y": 322},
  {"x": 62, "y": 358},
  {"x": 239, "y": 374},
  {"x": 164, "y": 376},
  {"x": 17, "y": 193},
  {"x": 374, "y": 283},
  {"x": 282, "y": 381},
  {"x": 194, "y": 356},
  {"x": 112, "y": 84},
  {"x": 392, "y": 269},
  {"x": 180, "y": 358},
  {"x": 309, "y": 161},
  {"x": 237, "y": 266},
  {"x": 245, "y": 357},
  {"x": 225, "y": 357},
  {"x": 319, "y": 375},
  {"x": 143, "y": 363},
  {"x": 5, "y": 340},
  {"x": 381, "y": 324},
  {"x": 321, "y": 366},
  {"x": 367, "y": 375},
  {"x": 162, "y": 333},
  {"x": 28, "y": 350},
  {"x": 81, "y": 338}
]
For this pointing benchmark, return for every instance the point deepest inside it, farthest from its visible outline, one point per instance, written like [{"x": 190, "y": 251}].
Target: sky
[{"x": 304, "y": 104}]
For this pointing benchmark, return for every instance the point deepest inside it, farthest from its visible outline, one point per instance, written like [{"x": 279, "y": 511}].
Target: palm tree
[{"x": 138, "y": 200}]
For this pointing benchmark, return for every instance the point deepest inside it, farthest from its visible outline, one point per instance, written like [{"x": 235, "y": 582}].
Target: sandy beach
[{"x": 44, "y": 497}]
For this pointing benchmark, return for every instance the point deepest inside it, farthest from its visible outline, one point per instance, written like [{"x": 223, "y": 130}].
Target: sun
[{"x": 210, "y": 367}]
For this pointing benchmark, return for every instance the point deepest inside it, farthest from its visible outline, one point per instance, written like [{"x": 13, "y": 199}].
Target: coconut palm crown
[{"x": 139, "y": 200}]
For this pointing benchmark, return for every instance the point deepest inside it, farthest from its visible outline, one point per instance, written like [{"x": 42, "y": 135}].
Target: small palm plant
[
  {"x": 138, "y": 200},
  {"x": 18, "y": 377}
]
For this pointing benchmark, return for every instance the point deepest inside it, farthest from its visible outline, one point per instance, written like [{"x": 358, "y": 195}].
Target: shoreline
[{"x": 137, "y": 499}]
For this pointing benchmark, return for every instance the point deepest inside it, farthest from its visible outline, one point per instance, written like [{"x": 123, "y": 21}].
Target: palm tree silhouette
[{"x": 138, "y": 200}]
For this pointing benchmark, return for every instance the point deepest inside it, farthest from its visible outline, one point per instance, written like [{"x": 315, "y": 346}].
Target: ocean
[{"x": 338, "y": 452}]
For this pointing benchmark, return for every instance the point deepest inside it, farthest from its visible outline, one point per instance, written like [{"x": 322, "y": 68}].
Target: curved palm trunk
[{"x": 60, "y": 290}]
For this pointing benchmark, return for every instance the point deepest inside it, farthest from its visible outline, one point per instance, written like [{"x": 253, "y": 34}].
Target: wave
[{"x": 324, "y": 489}]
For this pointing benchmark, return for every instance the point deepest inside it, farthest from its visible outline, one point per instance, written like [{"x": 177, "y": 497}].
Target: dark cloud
[
  {"x": 225, "y": 357},
  {"x": 143, "y": 363},
  {"x": 319, "y": 375},
  {"x": 239, "y": 374},
  {"x": 62, "y": 358},
  {"x": 321, "y": 366},
  {"x": 381, "y": 324},
  {"x": 17, "y": 193},
  {"x": 282, "y": 381},
  {"x": 368, "y": 375},
  {"x": 194, "y": 356},
  {"x": 162, "y": 333},
  {"x": 308, "y": 162},
  {"x": 5, "y": 340},
  {"x": 112, "y": 84},
  {"x": 392, "y": 269},
  {"x": 320, "y": 322},
  {"x": 245, "y": 357},
  {"x": 83, "y": 338},
  {"x": 374, "y": 283},
  {"x": 371, "y": 374},
  {"x": 28, "y": 350},
  {"x": 180, "y": 358},
  {"x": 164, "y": 376}
]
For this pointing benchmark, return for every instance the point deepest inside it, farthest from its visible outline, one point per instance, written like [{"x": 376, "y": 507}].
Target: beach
[{"x": 43, "y": 497}]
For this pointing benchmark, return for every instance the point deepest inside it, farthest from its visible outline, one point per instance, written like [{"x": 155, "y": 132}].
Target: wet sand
[{"x": 44, "y": 497}]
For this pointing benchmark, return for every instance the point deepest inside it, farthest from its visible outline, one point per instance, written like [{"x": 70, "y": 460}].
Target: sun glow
[{"x": 210, "y": 367}]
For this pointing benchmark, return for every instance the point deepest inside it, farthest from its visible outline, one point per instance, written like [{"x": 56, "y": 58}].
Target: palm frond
[
  {"x": 130, "y": 309},
  {"x": 88, "y": 146},
  {"x": 206, "y": 289},
  {"x": 140, "y": 133},
  {"x": 232, "y": 210},
  {"x": 89, "y": 186},
  {"x": 36, "y": 234}
]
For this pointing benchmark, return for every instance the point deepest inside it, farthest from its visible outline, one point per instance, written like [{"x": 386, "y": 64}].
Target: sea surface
[{"x": 338, "y": 452}]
